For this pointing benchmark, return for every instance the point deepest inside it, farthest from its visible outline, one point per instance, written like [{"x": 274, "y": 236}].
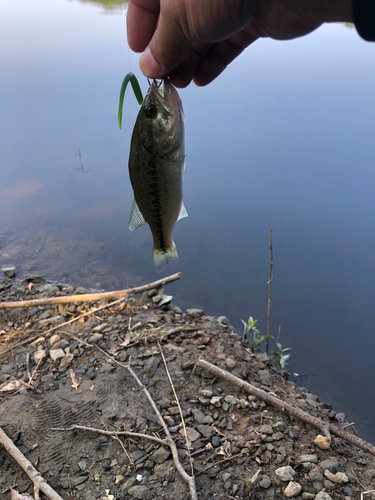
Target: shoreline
[{"x": 226, "y": 425}]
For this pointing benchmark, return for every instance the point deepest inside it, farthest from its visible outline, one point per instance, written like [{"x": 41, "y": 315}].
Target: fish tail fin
[{"x": 161, "y": 257}]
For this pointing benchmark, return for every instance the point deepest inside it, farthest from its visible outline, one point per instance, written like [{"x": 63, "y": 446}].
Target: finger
[
  {"x": 220, "y": 55},
  {"x": 168, "y": 47},
  {"x": 141, "y": 22},
  {"x": 183, "y": 75}
]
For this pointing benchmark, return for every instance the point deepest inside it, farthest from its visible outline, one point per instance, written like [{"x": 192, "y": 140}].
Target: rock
[
  {"x": 322, "y": 441},
  {"x": 216, "y": 401},
  {"x": 215, "y": 441},
  {"x": 151, "y": 365},
  {"x": 231, "y": 363},
  {"x": 331, "y": 464},
  {"x": 160, "y": 455},
  {"x": 166, "y": 299},
  {"x": 207, "y": 420},
  {"x": 318, "y": 485},
  {"x": 194, "y": 312},
  {"x": 192, "y": 434},
  {"x": 106, "y": 465},
  {"x": 137, "y": 455},
  {"x": 94, "y": 339},
  {"x": 322, "y": 495},
  {"x": 198, "y": 415},
  {"x": 307, "y": 496},
  {"x": 231, "y": 400},
  {"x": 328, "y": 485},
  {"x": 266, "y": 429},
  {"x": 76, "y": 480},
  {"x": 119, "y": 479},
  {"x": 83, "y": 464},
  {"x": 168, "y": 419},
  {"x": 54, "y": 339},
  {"x": 49, "y": 288},
  {"x": 159, "y": 294},
  {"x": 293, "y": 489},
  {"x": 316, "y": 474},
  {"x": 100, "y": 328},
  {"x": 338, "y": 478},
  {"x": 66, "y": 360},
  {"x": 207, "y": 393},
  {"x": 265, "y": 481},
  {"x": 340, "y": 417},
  {"x": 39, "y": 355},
  {"x": 9, "y": 271},
  {"x": 139, "y": 492},
  {"x": 225, "y": 406},
  {"x": 285, "y": 473},
  {"x": 277, "y": 436},
  {"x": 107, "y": 368},
  {"x": 265, "y": 377},
  {"x": 307, "y": 458},
  {"x": 205, "y": 430},
  {"x": 56, "y": 354},
  {"x": 55, "y": 319}
]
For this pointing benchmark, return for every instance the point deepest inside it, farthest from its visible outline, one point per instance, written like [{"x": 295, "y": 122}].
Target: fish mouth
[{"x": 162, "y": 91}]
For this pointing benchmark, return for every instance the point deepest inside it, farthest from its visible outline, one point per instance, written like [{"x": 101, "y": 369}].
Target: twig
[
  {"x": 217, "y": 463},
  {"x": 326, "y": 428},
  {"x": 111, "y": 433},
  {"x": 348, "y": 425},
  {"x": 89, "y": 297},
  {"x": 169, "y": 441},
  {"x": 38, "y": 481},
  {"x": 269, "y": 292},
  {"x": 179, "y": 408}
]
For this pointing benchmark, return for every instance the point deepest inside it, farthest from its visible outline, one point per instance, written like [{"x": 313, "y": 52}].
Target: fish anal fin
[
  {"x": 183, "y": 213},
  {"x": 161, "y": 257},
  {"x": 136, "y": 218}
]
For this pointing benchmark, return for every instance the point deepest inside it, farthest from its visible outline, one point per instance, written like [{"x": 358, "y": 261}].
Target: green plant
[
  {"x": 258, "y": 339},
  {"x": 281, "y": 354}
]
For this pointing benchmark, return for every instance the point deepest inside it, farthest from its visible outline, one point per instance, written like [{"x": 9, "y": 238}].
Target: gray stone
[
  {"x": 230, "y": 362},
  {"x": 139, "y": 492},
  {"x": 198, "y": 415},
  {"x": 100, "y": 328},
  {"x": 205, "y": 430},
  {"x": 76, "y": 480},
  {"x": 107, "y": 368},
  {"x": 317, "y": 485},
  {"x": 307, "y": 458},
  {"x": 293, "y": 489},
  {"x": 83, "y": 464},
  {"x": 316, "y": 474},
  {"x": 207, "y": 420},
  {"x": 213, "y": 471},
  {"x": 328, "y": 485},
  {"x": 277, "y": 436},
  {"x": 225, "y": 406},
  {"x": 340, "y": 417},
  {"x": 94, "y": 339},
  {"x": 9, "y": 271},
  {"x": 265, "y": 377},
  {"x": 285, "y": 473},
  {"x": 215, "y": 441},
  {"x": 265, "y": 481},
  {"x": 231, "y": 400},
  {"x": 331, "y": 464},
  {"x": 225, "y": 476},
  {"x": 216, "y": 401},
  {"x": 266, "y": 429},
  {"x": 137, "y": 454},
  {"x": 192, "y": 434},
  {"x": 338, "y": 478},
  {"x": 194, "y": 312},
  {"x": 166, "y": 299},
  {"x": 322, "y": 495},
  {"x": 207, "y": 393},
  {"x": 56, "y": 354},
  {"x": 54, "y": 339},
  {"x": 308, "y": 496},
  {"x": 160, "y": 455},
  {"x": 106, "y": 465},
  {"x": 39, "y": 355},
  {"x": 151, "y": 365}
]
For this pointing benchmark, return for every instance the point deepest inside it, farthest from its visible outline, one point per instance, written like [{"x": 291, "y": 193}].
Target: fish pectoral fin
[
  {"x": 136, "y": 218},
  {"x": 183, "y": 213},
  {"x": 161, "y": 257}
]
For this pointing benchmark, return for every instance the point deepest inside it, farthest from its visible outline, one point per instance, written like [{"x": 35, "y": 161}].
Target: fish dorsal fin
[
  {"x": 136, "y": 218},
  {"x": 183, "y": 212}
]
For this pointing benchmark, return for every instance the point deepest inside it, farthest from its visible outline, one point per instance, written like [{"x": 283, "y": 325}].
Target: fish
[{"x": 156, "y": 168}]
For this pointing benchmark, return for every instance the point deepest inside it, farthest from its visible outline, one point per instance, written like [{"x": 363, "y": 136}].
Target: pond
[{"x": 283, "y": 140}]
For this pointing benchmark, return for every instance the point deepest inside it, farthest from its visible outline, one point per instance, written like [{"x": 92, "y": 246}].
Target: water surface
[{"x": 283, "y": 140}]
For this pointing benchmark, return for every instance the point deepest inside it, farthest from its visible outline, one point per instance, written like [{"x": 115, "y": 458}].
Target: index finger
[{"x": 141, "y": 21}]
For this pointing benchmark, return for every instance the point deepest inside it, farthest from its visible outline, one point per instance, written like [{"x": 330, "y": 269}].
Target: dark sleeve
[{"x": 364, "y": 18}]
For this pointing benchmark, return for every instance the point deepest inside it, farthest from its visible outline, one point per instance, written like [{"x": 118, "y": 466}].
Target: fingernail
[{"x": 149, "y": 67}]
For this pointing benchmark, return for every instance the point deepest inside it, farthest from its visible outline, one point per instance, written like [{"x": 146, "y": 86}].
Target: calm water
[{"x": 284, "y": 140}]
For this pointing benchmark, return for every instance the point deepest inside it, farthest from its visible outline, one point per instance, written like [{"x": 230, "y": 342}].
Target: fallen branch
[
  {"x": 168, "y": 440},
  {"x": 326, "y": 428},
  {"x": 38, "y": 481},
  {"x": 89, "y": 297}
]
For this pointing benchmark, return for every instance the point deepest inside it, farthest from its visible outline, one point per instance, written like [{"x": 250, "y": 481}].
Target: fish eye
[{"x": 150, "y": 111}]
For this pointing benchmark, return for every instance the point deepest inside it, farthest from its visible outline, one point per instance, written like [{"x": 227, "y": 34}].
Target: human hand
[{"x": 197, "y": 39}]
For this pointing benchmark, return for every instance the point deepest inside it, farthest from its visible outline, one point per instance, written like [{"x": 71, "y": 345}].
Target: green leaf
[{"x": 130, "y": 77}]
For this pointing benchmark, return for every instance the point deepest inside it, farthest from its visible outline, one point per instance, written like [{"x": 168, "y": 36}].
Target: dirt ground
[{"x": 232, "y": 435}]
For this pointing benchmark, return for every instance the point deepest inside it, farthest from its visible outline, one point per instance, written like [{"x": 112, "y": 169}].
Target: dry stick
[
  {"x": 38, "y": 481},
  {"x": 190, "y": 480},
  {"x": 89, "y": 297},
  {"x": 269, "y": 292},
  {"x": 281, "y": 405},
  {"x": 179, "y": 407},
  {"x": 221, "y": 461}
]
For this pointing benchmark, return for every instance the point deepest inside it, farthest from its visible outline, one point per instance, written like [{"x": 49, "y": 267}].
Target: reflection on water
[
  {"x": 109, "y": 5},
  {"x": 270, "y": 145}
]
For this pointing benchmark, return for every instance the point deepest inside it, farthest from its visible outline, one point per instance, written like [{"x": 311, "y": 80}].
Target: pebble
[
  {"x": 277, "y": 436},
  {"x": 308, "y": 496},
  {"x": 192, "y": 434},
  {"x": 266, "y": 429},
  {"x": 265, "y": 377},
  {"x": 94, "y": 339},
  {"x": 322, "y": 442},
  {"x": 207, "y": 393},
  {"x": 194, "y": 312},
  {"x": 54, "y": 339},
  {"x": 39, "y": 355},
  {"x": 338, "y": 478},
  {"x": 151, "y": 365},
  {"x": 285, "y": 473},
  {"x": 265, "y": 482},
  {"x": 328, "y": 485},
  {"x": 106, "y": 465},
  {"x": 9, "y": 271},
  {"x": 160, "y": 455},
  {"x": 231, "y": 400},
  {"x": 293, "y": 489},
  {"x": 205, "y": 430},
  {"x": 230, "y": 362},
  {"x": 316, "y": 474},
  {"x": 198, "y": 415},
  {"x": 76, "y": 480},
  {"x": 66, "y": 360},
  {"x": 323, "y": 495},
  {"x": 139, "y": 492},
  {"x": 215, "y": 441},
  {"x": 331, "y": 464},
  {"x": 340, "y": 417},
  {"x": 207, "y": 420},
  {"x": 56, "y": 354},
  {"x": 216, "y": 401},
  {"x": 307, "y": 458},
  {"x": 83, "y": 464}
]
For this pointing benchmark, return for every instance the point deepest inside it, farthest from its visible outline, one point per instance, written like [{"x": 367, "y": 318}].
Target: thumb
[{"x": 167, "y": 49}]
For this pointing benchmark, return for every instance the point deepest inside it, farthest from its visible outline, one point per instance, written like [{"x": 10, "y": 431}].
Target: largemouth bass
[{"x": 156, "y": 167}]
